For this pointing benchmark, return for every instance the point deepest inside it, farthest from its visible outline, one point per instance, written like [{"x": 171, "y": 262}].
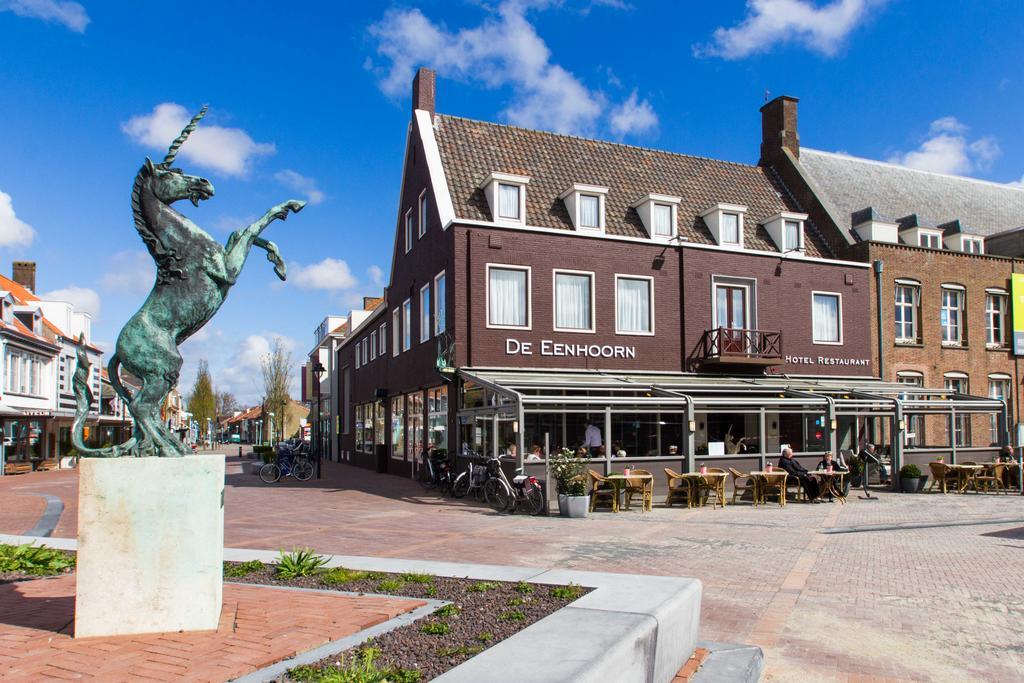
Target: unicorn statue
[{"x": 193, "y": 276}]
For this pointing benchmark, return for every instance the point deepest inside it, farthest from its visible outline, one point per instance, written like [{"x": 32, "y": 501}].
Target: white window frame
[
  {"x": 358, "y": 351},
  {"x": 992, "y": 295},
  {"x": 729, "y": 281},
  {"x": 962, "y": 422},
  {"x": 776, "y": 227},
  {"x": 799, "y": 246},
  {"x": 973, "y": 245},
  {"x": 529, "y": 295},
  {"x": 491, "y": 186},
  {"x": 383, "y": 337},
  {"x": 645, "y": 209},
  {"x": 396, "y": 332},
  {"x": 839, "y": 297},
  {"x": 928, "y": 236},
  {"x": 425, "y": 312},
  {"x": 1007, "y": 382},
  {"x": 554, "y": 300},
  {"x": 373, "y": 345},
  {"x": 440, "y": 312},
  {"x": 422, "y": 211},
  {"x": 962, "y": 294},
  {"x": 408, "y": 231},
  {"x": 407, "y": 324},
  {"x": 519, "y": 197},
  {"x": 650, "y": 291},
  {"x": 915, "y": 307}
]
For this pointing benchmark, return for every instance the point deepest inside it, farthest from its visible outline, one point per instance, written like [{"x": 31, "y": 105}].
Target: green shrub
[
  {"x": 910, "y": 471},
  {"x": 360, "y": 668},
  {"x": 298, "y": 563},
  {"x": 524, "y": 588},
  {"x": 37, "y": 560},
  {"x": 436, "y": 628},
  {"x": 235, "y": 570},
  {"x": 570, "y": 592},
  {"x": 339, "y": 576},
  {"x": 430, "y": 590},
  {"x": 390, "y": 586},
  {"x": 481, "y": 587},
  {"x": 515, "y": 602},
  {"x": 417, "y": 578},
  {"x": 485, "y": 637},
  {"x": 512, "y": 615},
  {"x": 448, "y": 610}
]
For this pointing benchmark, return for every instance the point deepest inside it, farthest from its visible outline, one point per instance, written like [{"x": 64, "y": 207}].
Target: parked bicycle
[
  {"x": 471, "y": 481},
  {"x": 292, "y": 461},
  {"x": 524, "y": 491},
  {"x": 436, "y": 472}
]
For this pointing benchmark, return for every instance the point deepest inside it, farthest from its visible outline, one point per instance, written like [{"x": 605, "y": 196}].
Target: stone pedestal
[{"x": 150, "y": 545}]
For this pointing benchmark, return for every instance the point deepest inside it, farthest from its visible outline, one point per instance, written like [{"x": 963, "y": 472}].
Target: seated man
[{"x": 794, "y": 469}]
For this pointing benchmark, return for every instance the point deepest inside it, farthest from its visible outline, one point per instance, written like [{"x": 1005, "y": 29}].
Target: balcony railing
[{"x": 731, "y": 345}]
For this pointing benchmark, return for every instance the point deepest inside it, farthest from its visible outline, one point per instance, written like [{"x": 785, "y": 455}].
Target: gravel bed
[{"x": 483, "y": 613}]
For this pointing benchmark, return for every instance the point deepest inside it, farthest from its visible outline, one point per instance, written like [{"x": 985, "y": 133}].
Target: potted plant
[
  {"x": 856, "y": 466},
  {"x": 569, "y": 471},
  {"x": 910, "y": 478}
]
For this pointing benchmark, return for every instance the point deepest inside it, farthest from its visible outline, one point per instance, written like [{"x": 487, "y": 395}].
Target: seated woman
[
  {"x": 829, "y": 461},
  {"x": 535, "y": 453}
]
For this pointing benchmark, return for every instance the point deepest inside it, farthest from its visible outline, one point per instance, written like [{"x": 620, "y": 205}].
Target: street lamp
[{"x": 318, "y": 372}]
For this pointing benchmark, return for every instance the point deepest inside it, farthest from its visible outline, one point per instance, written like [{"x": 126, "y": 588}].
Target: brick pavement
[
  {"x": 259, "y": 626},
  {"x": 922, "y": 604}
]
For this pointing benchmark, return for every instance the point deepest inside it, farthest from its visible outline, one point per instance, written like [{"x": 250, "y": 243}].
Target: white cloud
[
  {"x": 82, "y": 298},
  {"x": 13, "y": 231},
  {"x": 131, "y": 272},
  {"x": 947, "y": 149},
  {"x": 1017, "y": 183},
  {"x": 770, "y": 23},
  {"x": 71, "y": 14},
  {"x": 230, "y": 151},
  {"x": 300, "y": 183},
  {"x": 330, "y": 274},
  {"x": 235, "y": 367},
  {"x": 502, "y": 51},
  {"x": 376, "y": 275},
  {"x": 633, "y": 116}
]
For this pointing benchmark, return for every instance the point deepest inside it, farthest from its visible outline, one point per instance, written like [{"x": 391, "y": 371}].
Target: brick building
[
  {"x": 543, "y": 285},
  {"x": 941, "y": 249}
]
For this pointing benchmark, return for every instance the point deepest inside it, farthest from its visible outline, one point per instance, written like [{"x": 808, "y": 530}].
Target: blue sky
[{"x": 310, "y": 100}]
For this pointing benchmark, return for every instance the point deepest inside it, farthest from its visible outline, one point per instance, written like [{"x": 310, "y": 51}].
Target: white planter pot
[{"x": 573, "y": 506}]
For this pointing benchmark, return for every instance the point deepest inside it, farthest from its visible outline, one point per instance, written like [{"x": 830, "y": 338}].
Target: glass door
[{"x": 732, "y": 314}]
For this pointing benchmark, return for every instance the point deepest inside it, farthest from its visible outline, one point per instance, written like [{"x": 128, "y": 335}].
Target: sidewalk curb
[{"x": 628, "y": 628}]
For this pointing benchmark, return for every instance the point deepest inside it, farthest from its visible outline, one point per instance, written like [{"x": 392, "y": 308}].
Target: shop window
[
  {"x": 827, "y": 316},
  {"x": 634, "y": 305},
  {"x": 437, "y": 418},
  {"x": 414, "y": 425},
  {"x": 398, "y": 427},
  {"x": 508, "y": 297},
  {"x": 574, "y": 301},
  {"x": 378, "y": 423}
]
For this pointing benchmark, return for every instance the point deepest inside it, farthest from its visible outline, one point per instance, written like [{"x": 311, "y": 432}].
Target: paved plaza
[{"x": 830, "y": 592}]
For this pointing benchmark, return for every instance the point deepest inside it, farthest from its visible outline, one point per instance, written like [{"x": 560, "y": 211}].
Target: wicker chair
[
  {"x": 798, "y": 493},
  {"x": 992, "y": 477},
  {"x": 774, "y": 485},
  {"x": 602, "y": 491},
  {"x": 641, "y": 487},
  {"x": 942, "y": 476},
  {"x": 714, "y": 486},
  {"x": 678, "y": 488},
  {"x": 740, "y": 489}
]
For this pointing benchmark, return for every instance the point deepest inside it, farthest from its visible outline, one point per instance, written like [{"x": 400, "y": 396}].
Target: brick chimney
[
  {"x": 424, "y": 90},
  {"x": 778, "y": 127},
  {"x": 24, "y": 273}
]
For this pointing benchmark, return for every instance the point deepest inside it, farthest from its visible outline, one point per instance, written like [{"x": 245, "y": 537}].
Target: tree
[
  {"x": 226, "y": 404},
  {"x": 277, "y": 380},
  {"x": 202, "y": 402}
]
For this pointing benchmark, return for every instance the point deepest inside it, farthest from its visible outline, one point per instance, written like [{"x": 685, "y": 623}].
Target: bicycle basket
[{"x": 479, "y": 475}]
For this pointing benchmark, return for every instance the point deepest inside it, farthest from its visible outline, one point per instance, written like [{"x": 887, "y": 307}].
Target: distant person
[
  {"x": 869, "y": 455},
  {"x": 535, "y": 453},
  {"x": 794, "y": 469},
  {"x": 592, "y": 438},
  {"x": 1006, "y": 454},
  {"x": 673, "y": 450},
  {"x": 829, "y": 461}
]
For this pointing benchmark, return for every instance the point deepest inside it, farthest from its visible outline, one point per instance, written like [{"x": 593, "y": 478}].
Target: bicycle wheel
[
  {"x": 497, "y": 494},
  {"x": 303, "y": 470},
  {"x": 533, "y": 501},
  {"x": 461, "y": 486},
  {"x": 270, "y": 473}
]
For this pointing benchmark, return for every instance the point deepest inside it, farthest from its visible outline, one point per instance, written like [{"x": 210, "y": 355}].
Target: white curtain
[
  {"x": 572, "y": 301},
  {"x": 507, "y": 303},
  {"x": 662, "y": 220},
  {"x": 792, "y": 236},
  {"x": 730, "y": 228},
  {"x": 589, "y": 211},
  {"x": 633, "y": 304},
  {"x": 508, "y": 201},
  {"x": 826, "y": 318}
]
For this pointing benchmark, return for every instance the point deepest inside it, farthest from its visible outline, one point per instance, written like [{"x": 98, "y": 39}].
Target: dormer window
[
  {"x": 973, "y": 245},
  {"x": 929, "y": 240},
  {"x": 585, "y": 204},
  {"x": 725, "y": 221},
  {"x": 506, "y": 197},
  {"x": 659, "y": 214},
  {"x": 787, "y": 231}
]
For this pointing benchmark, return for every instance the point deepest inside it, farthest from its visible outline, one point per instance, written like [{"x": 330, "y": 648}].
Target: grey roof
[
  {"x": 470, "y": 150},
  {"x": 850, "y": 185}
]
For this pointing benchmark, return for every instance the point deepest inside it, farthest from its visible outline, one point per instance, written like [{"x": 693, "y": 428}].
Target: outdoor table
[
  {"x": 619, "y": 482},
  {"x": 692, "y": 480},
  {"x": 828, "y": 483},
  {"x": 965, "y": 475},
  {"x": 714, "y": 481},
  {"x": 762, "y": 477}
]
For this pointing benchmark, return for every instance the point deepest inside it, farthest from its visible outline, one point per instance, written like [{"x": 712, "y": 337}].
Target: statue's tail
[{"x": 83, "y": 399}]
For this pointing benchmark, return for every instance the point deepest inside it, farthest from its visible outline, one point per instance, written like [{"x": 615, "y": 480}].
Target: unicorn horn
[{"x": 180, "y": 140}]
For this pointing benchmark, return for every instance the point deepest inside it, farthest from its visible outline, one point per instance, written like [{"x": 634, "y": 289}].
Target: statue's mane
[{"x": 165, "y": 258}]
